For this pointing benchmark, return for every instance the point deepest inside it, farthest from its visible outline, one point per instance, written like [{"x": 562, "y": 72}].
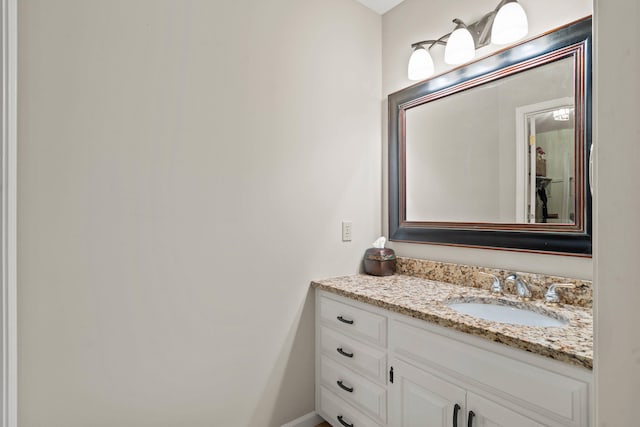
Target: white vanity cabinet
[
  {"x": 487, "y": 413},
  {"x": 351, "y": 363},
  {"x": 504, "y": 386},
  {"x": 419, "y": 395},
  {"x": 379, "y": 368}
]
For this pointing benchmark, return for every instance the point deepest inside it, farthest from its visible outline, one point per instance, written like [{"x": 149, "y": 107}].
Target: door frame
[
  {"x": 523, "y": 146},
  {"x": 8, "y": 214}
]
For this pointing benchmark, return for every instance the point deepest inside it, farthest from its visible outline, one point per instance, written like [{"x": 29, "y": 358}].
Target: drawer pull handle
[
  {"x": 344, "y": 387},
  {"x": 471, "y": 415},
  {"x": 343, "y": 422},
  {"x": 343, "y": 320},
  {"x": 456, "y": 408},
  {"x": 344, "y": 353}
]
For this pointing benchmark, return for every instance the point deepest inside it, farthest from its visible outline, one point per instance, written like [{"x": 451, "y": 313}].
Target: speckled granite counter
[{"x": 425, "y": 299}]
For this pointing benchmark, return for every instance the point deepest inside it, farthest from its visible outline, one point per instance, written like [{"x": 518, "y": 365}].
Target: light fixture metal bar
[
  {"x": 480, "y": 30},
  {"x": 431, "y": 43}
]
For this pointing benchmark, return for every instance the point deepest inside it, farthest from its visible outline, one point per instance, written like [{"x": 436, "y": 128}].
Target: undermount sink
[{"x": 504, "y": 312}]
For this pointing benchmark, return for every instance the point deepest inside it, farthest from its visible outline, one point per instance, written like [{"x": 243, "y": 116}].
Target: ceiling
[{"x": 381, "y": 6}]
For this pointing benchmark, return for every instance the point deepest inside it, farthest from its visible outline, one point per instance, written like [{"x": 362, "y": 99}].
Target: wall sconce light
[
  {"x": 460, "y": 46},
  {"x": 505, "y": 24}
]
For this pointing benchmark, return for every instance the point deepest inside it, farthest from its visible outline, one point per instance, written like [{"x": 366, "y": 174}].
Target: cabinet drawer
[
  {"x": 354, "y": 321},
  {"x": 362, "y": 358},
  {"x": 546, "y": 392},
  {"x": 339, "y": 414},
  {"x": 354, "y": 388}
]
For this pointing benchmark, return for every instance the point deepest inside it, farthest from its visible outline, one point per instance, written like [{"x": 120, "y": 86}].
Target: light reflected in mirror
[{"x": 503, "y": 152}]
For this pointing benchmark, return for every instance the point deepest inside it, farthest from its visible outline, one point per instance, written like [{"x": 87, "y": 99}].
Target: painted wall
[
  {"x": 617, "y": 202},
  {"x": 184, "y": 168},
  {"x": 415, "y": 20}
]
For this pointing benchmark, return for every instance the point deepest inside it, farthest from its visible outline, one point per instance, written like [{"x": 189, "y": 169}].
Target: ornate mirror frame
[{"x": 573, "y": 40}]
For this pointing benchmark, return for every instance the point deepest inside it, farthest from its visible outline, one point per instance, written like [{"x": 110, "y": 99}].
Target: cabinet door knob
[
  {"x": 471, "y": 415},
  {"x": 344, "y": 353},
  {"x": 343, "y": 320},
  {"x": 456, "y": 408},
  {"x": 344, "y": 387},
  {"x": 343, "y": 422}
]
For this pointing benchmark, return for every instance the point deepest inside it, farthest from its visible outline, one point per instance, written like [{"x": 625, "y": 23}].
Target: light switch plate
[{"x": 346, "y": 231}]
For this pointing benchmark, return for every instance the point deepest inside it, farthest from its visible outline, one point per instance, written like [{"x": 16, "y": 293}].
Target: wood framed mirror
[{"x": 495, "y": 153}]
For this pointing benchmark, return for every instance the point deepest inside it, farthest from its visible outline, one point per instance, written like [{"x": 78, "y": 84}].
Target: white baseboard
[{"x": 310, "y": 420}]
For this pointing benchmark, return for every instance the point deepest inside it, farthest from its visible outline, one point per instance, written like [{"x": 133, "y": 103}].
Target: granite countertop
[{"x": 425, "y": 299}]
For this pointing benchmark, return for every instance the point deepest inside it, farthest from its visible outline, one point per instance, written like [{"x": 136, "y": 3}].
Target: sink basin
[{"x": 505, "y": 313}]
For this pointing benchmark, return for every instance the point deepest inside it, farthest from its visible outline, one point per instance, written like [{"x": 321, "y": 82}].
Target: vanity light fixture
[
  {"x": 420, "y": 63},
  {"x": 505, "y": 24},
  {"x": 460, "y": 46},
  {"x": 510, "y": 23}
]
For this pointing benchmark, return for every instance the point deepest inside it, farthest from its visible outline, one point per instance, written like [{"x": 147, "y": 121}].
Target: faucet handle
[
  {"x": 496, "y": 285},
  {"x": 551, "y": 296}
]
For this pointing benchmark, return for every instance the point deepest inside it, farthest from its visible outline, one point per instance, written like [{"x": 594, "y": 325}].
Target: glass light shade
[
  {"x": 460, "y": 47},
  {"x": 420, "y": 64},
  {"x": 510, "y": 24}
]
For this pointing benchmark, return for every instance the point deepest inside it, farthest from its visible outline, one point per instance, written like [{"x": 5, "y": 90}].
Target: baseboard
[{"x": 310, "y": 420}]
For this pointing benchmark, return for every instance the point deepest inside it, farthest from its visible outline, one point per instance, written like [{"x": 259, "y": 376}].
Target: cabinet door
[
  {"x": 420, "y": 399},
  {"x": 490, "y": 414}
]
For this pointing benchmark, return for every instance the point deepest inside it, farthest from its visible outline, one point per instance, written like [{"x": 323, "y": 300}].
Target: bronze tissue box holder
[{"x": 380, "y": 261}]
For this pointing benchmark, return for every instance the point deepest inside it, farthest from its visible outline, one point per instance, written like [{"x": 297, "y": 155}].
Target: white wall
[
  {"x": 184, "y": 167},
  {"x": 617, "y": 203},
  {"x": 415, "y": 20}
]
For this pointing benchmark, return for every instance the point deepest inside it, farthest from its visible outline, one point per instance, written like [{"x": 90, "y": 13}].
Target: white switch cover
[{"x": 346, "y": 231}]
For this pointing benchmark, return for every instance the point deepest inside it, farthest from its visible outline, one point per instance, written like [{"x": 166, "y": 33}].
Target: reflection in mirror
[
  {"x": 550, "y": 175},
  {"x": 495, "y": 154},
  {"x": 469, "y": 156}
]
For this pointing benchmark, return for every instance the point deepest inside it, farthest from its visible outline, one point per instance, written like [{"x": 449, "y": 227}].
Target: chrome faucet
[
  {"x": 551, "y": 296},
  {"x": 522, "y": 287},
  {"x": 496, "y": 285}
]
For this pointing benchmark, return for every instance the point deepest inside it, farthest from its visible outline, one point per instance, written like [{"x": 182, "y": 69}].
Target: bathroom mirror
[{"x": 495, "y": 153}]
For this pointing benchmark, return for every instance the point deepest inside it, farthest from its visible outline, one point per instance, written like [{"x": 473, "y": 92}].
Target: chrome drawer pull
[
  {"x": 344, "y": 353},
  {"x": 344, "y": 387}
]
